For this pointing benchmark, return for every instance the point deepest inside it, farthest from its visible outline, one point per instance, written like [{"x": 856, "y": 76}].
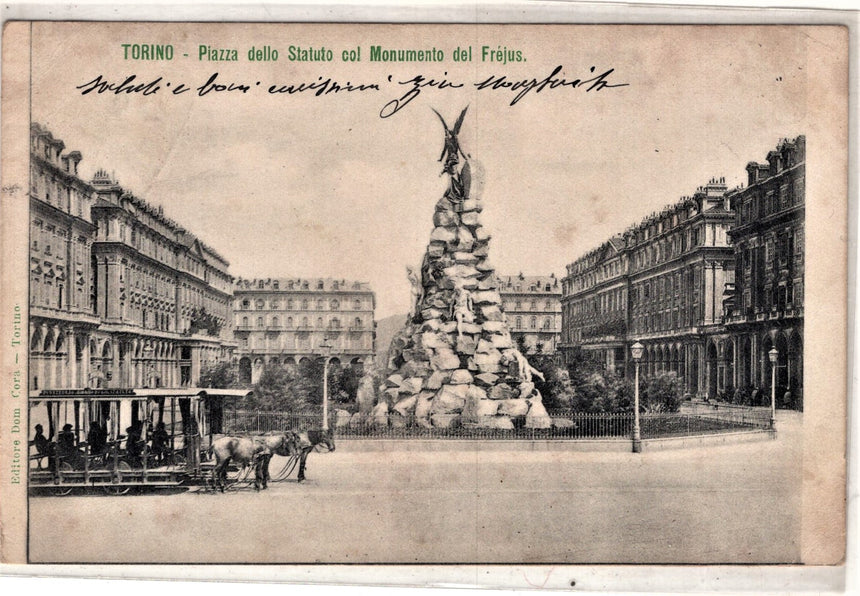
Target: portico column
[
  {"x": 736, "y": 359},
  {"x": 127, "y": 372},
  {"x": 688, "y": 369},
  {"x": 135, "y": 364},
  {"x": 71, "y": 357},
  {"x": 753, "y": 357},
  {"x": 85, "y": 361},
  {"x": 34, "y": 360},
  {"x": 47, "y": 360},
  {"x": 114, "y": 363}
]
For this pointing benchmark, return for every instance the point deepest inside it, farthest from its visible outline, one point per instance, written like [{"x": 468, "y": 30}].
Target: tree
[
  {"x": 221, "y": 376},
  {"x": 581, "y": 367},
  {"x": 590, "y": 394},
  {"x": 274, "y": 391},
  {"x": 602, "y": 392},
  {"x": 348, "y": 384},
  {"x": 555, "y": 389},
  {"x": 662, "y": 393}
]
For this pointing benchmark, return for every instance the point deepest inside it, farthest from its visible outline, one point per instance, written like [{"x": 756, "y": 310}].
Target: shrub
[{"x": 661, "y": 393}]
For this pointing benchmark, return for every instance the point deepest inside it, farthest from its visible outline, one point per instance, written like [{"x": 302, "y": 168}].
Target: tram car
[{"x": 120, "y": 439}]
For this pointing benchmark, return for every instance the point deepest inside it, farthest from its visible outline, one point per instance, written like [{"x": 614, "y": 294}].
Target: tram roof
[{"x": 130, "y": 393}]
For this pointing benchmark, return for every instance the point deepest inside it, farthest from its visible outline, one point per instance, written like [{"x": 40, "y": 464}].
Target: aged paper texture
[{"x": 167, "y": 185}]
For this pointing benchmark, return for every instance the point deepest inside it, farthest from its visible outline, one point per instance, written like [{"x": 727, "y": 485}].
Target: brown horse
[
  {"x": 308, "y": 441},
  {"x": 247, "y": 451}
]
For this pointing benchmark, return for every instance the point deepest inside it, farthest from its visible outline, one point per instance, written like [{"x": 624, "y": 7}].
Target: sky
[{"x": 296, "y": 185}]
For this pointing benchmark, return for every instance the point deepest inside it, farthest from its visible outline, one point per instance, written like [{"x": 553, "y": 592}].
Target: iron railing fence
[{"x": 565, "y": 425}]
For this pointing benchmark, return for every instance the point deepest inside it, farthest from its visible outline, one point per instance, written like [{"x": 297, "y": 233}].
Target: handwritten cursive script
[
  {"x": 520, "y": 88},
  {"x": 525, "y": 86}
]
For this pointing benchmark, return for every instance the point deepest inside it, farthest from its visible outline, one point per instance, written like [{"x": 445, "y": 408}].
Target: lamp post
[
  {"x": 325, "y": 350},
  {"x": 636, "y": 351},
  {"x": 773, "y": 355}
]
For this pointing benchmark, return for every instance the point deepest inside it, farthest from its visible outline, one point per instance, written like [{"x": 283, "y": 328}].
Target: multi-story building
[
  {"x": 680, "y": 264},
  {"x": 594, "y": 304},
  {"x": 62, "y": 312},
  {"x": 120, "y": 295},
  {"x": 765, "y": 306},
  {"x": 710, "y": 286},
  {"x": 661, "y": 283},
  {"x": 532, "y": 305},
  {"x": 281, "y": 322}
]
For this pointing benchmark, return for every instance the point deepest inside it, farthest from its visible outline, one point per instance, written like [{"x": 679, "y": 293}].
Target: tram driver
[{"x": 42, "y": 445}]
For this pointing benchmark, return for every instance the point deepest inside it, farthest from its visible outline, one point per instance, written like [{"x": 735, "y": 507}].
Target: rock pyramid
[{"x": 454, "y": 363}]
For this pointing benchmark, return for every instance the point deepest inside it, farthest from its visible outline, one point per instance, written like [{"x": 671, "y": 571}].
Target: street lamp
[
  {"x": 636, "y": 351},
  {"x": 325, "y": 349},
  {"x": 773, "y": 355}
]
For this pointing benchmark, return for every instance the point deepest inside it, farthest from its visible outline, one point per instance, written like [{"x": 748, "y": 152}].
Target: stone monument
[{"x": 454, "y": 362}]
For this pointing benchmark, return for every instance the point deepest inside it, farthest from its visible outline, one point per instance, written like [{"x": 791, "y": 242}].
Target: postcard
[{"x": 414, "y": 294}]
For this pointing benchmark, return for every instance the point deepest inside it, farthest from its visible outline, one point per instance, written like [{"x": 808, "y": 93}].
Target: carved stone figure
[
  {"x": 462, "y": 309},
  {"x": 417, "y": 291},
  {"x": 525, "y": 370}
]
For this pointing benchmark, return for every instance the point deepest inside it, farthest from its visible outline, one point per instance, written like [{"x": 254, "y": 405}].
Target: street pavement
[{"x": 736, "y": 503}]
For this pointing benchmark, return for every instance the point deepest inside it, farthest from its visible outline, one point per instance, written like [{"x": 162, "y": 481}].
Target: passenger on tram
[
  {"x": 97, "y": 438},
  {"x": 134, "y": 444},
  {"x": 160, "y": 439},
  {"x": 66, "y": 448}
]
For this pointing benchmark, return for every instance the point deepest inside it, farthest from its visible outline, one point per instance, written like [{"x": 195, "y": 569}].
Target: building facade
[
  {"x": 281, "y": 322},
  {"x": 532, "y": 305},
  {"x": 120, "y": 296},
  {"x": 765, "y": 308},
  {"x": 661, "y": 283},
  {"x": 709, "y": 286}
]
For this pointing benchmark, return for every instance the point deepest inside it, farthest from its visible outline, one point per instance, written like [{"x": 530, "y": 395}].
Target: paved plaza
[{"x": 718, "y": 504}]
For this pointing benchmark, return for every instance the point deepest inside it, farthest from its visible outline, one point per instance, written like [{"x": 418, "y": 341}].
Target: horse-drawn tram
[{"x": 118, "y": 439}]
